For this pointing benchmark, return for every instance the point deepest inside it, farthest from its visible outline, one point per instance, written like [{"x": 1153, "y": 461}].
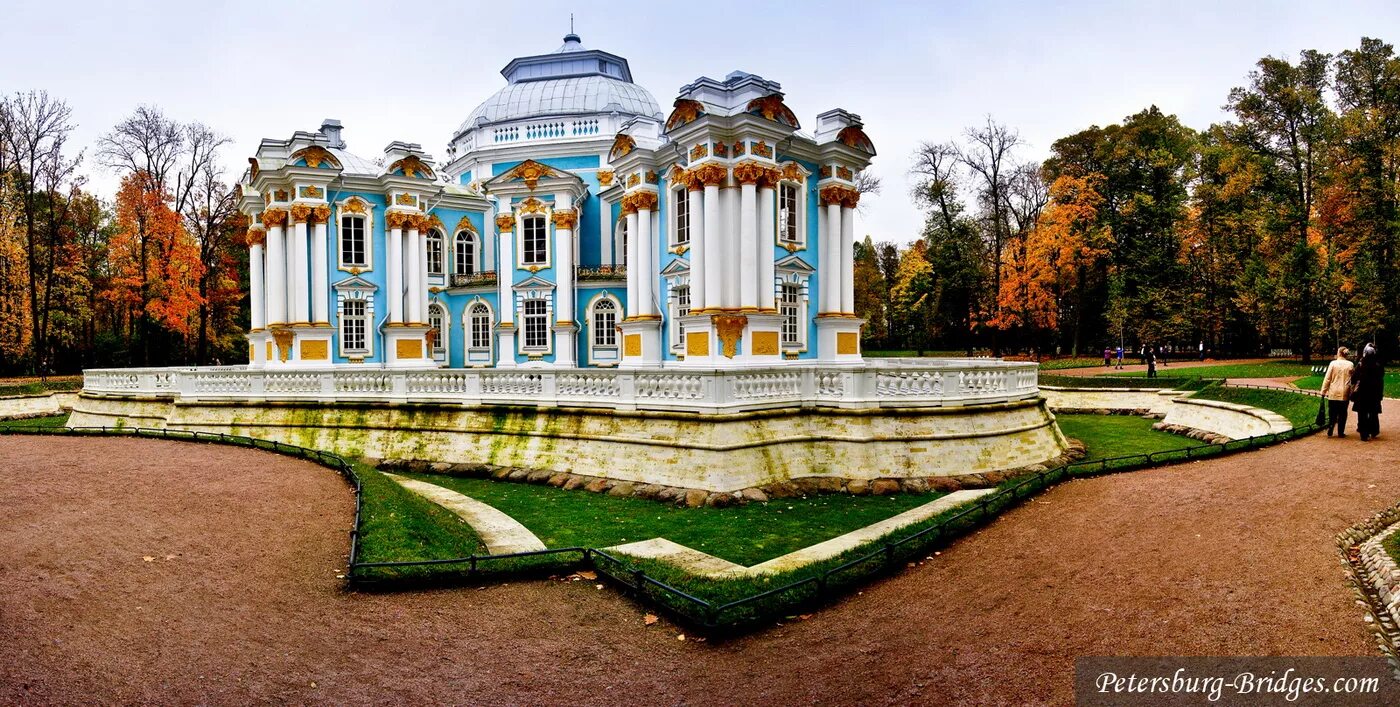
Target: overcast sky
[{"x": 413, "y": 71}]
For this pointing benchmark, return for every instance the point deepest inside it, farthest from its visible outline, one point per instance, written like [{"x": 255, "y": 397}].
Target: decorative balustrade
[
  {"x": 474, "y": 279},
  {"x": 873, "y": 384}
]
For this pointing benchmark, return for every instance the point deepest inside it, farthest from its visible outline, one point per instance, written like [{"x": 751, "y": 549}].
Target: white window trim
[
  {"x": 804, "y": 306},
  {"x": 521, "y": 297},
  {"x": 802, "y": 207},
  {"x": 442, "y": 252},
  {"x": 677, "y": 277},
  {"x": 444, "y": 335},
  {"x": 368, "y": 218},
  {"x": 620, "y": 243},
  {"x": 548, "y": 263},
  {"x": 594, "y": 348},
  {"x": 467, "y": 348},
  {"x": 673, "y": 214},
  {"x": 479, "y": 261},
  {"x": 353, "y": 292}
]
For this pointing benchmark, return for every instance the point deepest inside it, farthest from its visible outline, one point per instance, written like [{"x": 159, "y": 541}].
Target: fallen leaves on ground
[
  {"x": 587, "y": 574},
  {"x": 649, "y": 619}
]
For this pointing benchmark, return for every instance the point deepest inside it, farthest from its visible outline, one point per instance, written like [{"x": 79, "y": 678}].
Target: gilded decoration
[
  {"x": 701, "y": 150},
  {"x": 314, "y": 156},
  {"x": 300, "y": 212},
  {"x": 710, "y": 174},
  {"x": 565, "y": 218},
  {"x": 852, "y": 136},
  {"x": 633, "y": 180},
  {"x": 638, "y": 201},
  {"x": 632, "y": 345},
  {"x": 765, "y": 343},
  {"x": 312, "y": 192},
  {"x": 825, "y": 172},
  {"x": 408, "y": 348},
  {"x": 412, "y": 167},
  {"x": 721, "y": 150},
  {"x": 256, "y": 236},
  {"x": 650, "y": 177},
  {"x": 396, "y": 219},
  {"x": 739, "y": 148},
  {"x": 314, "y": 350},
  {"x": 530, "y": 172},
  {"x": 530, "y": 206},
  {"x": 697, "y": 343},
  {"x": 434, "y": 222},
  {"x": 281, "y": 195},
  {"x": 749, "y": 172},
  {"x": 406, "y": 200},
  {"x": 320, "y": 214},
  {"x": 622, "y": 145},
  {"x": 837, "y": 194},
  {"x": 253, "y": 169},
  {"x": 762, "y": 149},
  {"x": 464, "y": 224},
  {"x": 847, "y": 343},
  {"x": 505, "y": 223},
  {"x": 686, "y": 111},
  {"x": 274, "y": 217},
  {"x": 771, "y": 107},
  {"x": 283, "y": 337},
  {"x": 729, "y": 327},
  {"x": 792, "y": 171},
  {"x": 605, "y": 177},
  {"x": 355, "y": 205},
  {"x": 844, "y": 173},
  {"x": 419, "y": 222}
]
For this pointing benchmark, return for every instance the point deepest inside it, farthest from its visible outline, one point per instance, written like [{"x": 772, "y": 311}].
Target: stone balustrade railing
[{"x": 927, "y": 383}]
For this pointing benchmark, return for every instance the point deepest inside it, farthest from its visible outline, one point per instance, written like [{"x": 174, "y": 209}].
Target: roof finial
[
  {"x": 571, "y": 23},
  {"x": 571, "y": 37}
]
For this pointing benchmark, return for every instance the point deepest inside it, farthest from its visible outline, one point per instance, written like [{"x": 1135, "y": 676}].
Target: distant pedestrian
[
  {"x": 1151, "y": 364},
  {"x": 1203, "y": 350},
  {"x": 1368, "y": 388},
  {"x": 1335, "y": 387},
  {"x": 1142, "y": 352},
  {"x": 1107, "y": 357},
  {"x": 1120, "y": 357}
]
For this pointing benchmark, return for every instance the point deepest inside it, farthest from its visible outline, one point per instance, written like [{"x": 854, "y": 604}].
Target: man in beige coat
[{"x": 1335, "y": 386}]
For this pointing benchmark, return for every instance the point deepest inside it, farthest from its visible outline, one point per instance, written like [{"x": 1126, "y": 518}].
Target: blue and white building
[{"x": 572, "y": 224}]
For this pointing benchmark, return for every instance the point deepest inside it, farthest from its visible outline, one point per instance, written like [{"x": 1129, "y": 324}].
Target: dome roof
[{"x": 571, "y": 80}]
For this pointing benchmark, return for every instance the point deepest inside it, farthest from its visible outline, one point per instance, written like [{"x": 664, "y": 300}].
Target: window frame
[
  {"x": 680, "y": 219},
  {"x": 468, "y": 238},
  {"x": 341, "y": 241},
  {"x": 435, "y": 237},
  {"x": 531, "y": 320},
  {"x": 343, "y": 321},
  {"x": 523, "y": 225},
  {"x": 679, "y": 305},
  {"x": 444, "y": 330}
]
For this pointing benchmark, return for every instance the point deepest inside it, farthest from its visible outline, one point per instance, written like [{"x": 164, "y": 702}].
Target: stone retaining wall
[
  {"x": 40, "y": 405},
  {"x": 721, "y": 453},
  {"x": 1212, "y": 419},
  {"x": 1225, "y": 419},
  {"x": 1144, "y": 401}
]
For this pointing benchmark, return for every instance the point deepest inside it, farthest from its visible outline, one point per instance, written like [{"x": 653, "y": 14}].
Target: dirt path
[{"x": 1224, "y": 557}]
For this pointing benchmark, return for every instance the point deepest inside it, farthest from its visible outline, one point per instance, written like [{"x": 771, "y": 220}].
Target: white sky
[{"x": 413, "y": 71}]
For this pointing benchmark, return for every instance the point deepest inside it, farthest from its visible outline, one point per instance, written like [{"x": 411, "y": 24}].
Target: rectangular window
[
  {"x": 435, "y": 321},
  {"x": 789, "y": 308},
  {"x": 353, "y": 326},
  {"x": 535, "y": 248},
  {"x": 481, "y": 327},
  {"x": 682, "y": 217},
  {"x": 682, "y": 309},
  {"x": 352, "y": 242},
  {"x": 605, "y": 324},
  {"x": 536, "y": 324},
  {"x": 434, "y": 244},
  {"x": 787, "y": 213}
]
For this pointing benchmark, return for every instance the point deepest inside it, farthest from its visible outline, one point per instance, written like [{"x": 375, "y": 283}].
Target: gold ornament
[
  {"x": 464, "y": 224},
  {"x": 314, "y": 156},
  {"x": 711, "y": 174},
  {"x": 530, "y": 172},
  {"x": 530, "y": 206},
  {"x": 396, "y": 219},
  {"x": 686, "y": 111},
  {"x": 605, "y": 177},
  {"x": 639, "y": 201},
  {"x": 762, "y": 149},
  {"x": 730, "y": 328},
  {"x": 771, "y": 107},
  {"x": 844, "y": 173},
  {"x": 355, "y": 205},
  {"x": 505, "y": 223},
  {"x": 284, "y": 338},
  {"x": 852, "y": 136},
  {"x": 412, "y": 167},
  {"x": 406, "y": 200},
  {"x": 320, "y": 213},
  {"x": 274, "y": 217},
  {"x": 256, "y": 236},
  {"x": 622, "y": 145},
  {"x": 749, "y": 172},
  {"x": 312, "y": 192},
  {"x": 701, "y": 150},
  {"x": 565, "y": 218}
]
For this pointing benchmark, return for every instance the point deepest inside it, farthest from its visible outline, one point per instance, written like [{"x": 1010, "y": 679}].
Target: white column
[
  {"x": 301, "y": 285},
  {"x": 423, "y": 296},
  {"x": 729, "y": 229},
  {"x": 413, "y": 246},
  {"x": 564, "y": 262},
  {"x": 831, "y": 260},
  {"x": 697, "y": 249},
  {"x": 767, "y": 272},
  {"x": 606, "y": 232},
  {"x": 505, "y": 269},
  {"x": 256, "y": 296},
  {"x": 748, "y": 247},
  {"x": 714, "y": 248},
  {"x": 848, "y": 282},
  {"x": 394, "y": 286},
  {"x": 320, "y": 275},
  {"x": 276, "y": 274},
  {"x": 646, "y": 275},
  {"x": 634, "y": 268}
]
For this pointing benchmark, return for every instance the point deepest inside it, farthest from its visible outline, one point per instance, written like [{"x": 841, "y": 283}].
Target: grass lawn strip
[
  {"x": 745, "y": 535},
  {"x": 1272, "y": 369},
  {"x": 45, "y": 421},
  {"x": 1300, "y": 410},
  {"x": 500, "y": 533},
  {"x": 397, "y": 525},
  {"x": 1107, "y": 436}
]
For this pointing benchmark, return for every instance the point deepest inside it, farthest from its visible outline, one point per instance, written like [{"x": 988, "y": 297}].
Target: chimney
[{"x": 330, "y": 127}]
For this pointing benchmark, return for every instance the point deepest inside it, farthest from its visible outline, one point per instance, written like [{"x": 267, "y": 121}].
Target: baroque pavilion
[{"x": 572, "y": 225}]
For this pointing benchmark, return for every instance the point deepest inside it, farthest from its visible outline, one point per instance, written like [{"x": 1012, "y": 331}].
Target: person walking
[
  {"x": 1120, "y": 357},
  {"x": 1107, "y": 356},
  {"x": 1335, "y": 387},
  {"x": 1368, "y": 388},
  {"x": 1151, "y": 363}
]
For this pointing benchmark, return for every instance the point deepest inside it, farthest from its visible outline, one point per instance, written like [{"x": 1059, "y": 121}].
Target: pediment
[
  {"x": 534, "y": 283},
  {"x": 793, "y": 263},
  {"x": 355, "y": 282}
]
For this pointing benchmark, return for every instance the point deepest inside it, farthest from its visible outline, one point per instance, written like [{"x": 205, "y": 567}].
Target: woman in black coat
[{"x": 1369, "y": 382}]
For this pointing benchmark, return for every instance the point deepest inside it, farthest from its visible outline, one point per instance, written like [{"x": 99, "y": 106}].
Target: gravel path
[{"x": 239, "y": 602}]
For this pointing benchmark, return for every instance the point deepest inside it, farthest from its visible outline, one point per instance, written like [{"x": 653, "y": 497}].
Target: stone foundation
[
  {"x": 42, "y": 405},
  {"x": 714, "y": 453}
]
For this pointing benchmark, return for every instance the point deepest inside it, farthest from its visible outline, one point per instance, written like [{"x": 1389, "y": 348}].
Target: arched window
[
  {"x": 477, "y": 333},
  {"x": 434, "y": 247},
  {"x": 465, "y": 254},
  {"x": 437, "y": 320},
  {"x": 534, "y": 249}
]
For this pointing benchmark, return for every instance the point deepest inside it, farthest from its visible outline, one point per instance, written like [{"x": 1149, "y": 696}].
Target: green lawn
[
  {"x": 1272, "y": 369},
  {"x": 913, "y": 354},
  {"x": 746, "y": 534},
  {"x": 29, "y": 422},
  {"x": 1392, "y": 383},
  {"x": 399, "y": 525},
  {"x": 1301, "y": 410},
  {"x": 1119, "y": 435},
  {"x": 33, "y": 386},
  {"x": 1057, "y": 364}
]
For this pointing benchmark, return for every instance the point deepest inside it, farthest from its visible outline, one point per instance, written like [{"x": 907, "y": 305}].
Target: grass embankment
[
  {"x": 1301, "y": 410},
  {"x": 398, "y": 525},
  {"x": 1106, "y": 436},
  {"x": 10, "y": 387},
  {"x": 31, "y": 422},
  {"x": 1272, "y": 369},
  {"x": 1062, "y": 381},
  {"x": 1058, "y": 364},
  {"x": 745, "y": 535}
]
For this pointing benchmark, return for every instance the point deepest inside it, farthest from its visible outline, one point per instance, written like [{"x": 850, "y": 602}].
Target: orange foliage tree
[{"x": 154, "y": 263}]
